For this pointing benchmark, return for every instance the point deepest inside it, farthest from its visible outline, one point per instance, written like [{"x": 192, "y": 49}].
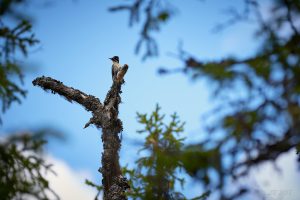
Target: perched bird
[
  {"x": 115, "y": 67},
  {"x": 121, "y": 73}
]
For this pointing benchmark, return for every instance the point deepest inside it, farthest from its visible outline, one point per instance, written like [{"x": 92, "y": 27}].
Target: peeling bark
[{"x": 104, "y": 116}]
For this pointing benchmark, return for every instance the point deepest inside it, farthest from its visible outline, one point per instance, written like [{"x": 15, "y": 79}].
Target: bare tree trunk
[{"x": 104, "y": 116}]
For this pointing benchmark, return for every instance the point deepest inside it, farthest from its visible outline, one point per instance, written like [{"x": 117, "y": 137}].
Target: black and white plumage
[{"x": 115, "y": 67}]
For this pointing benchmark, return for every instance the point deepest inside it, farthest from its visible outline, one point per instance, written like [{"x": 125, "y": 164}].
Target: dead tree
[{"x": 104, "y": 116}]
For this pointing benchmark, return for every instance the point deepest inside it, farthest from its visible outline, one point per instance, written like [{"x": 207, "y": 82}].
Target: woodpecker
[{"x": 115, "y": 67}]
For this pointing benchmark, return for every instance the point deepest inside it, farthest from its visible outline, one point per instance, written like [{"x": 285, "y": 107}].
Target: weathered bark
[{"x": 104, "y": 117}]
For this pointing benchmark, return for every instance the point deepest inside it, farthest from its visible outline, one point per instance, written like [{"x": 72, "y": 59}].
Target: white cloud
[
  {"x": 274, "y": 185},
  {"x": 282, "y": 185},
  {"x": 69, "y": 183}
]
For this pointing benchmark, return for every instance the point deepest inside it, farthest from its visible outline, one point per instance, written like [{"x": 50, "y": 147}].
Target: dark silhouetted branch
[
  {"x": 89, "y": 102},
  {"x": 104, "y": 117}
]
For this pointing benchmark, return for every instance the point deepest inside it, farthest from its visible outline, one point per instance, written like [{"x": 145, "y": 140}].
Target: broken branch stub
[{"x": 104, "y": 116}]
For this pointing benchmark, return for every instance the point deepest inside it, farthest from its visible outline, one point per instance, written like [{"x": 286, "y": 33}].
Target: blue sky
[{"x": 78, "y": 37}]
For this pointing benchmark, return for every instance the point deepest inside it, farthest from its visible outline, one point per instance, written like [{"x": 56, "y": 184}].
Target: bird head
[{"x": 115, "y": 59}]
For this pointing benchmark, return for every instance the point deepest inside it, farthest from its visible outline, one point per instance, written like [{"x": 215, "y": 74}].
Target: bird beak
[{"x": 110, "y": 58}]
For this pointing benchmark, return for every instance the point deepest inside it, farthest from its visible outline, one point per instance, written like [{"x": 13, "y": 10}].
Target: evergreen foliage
[
  {"x": 257, "y": 118},
  {"x": 22, "y": 165},
  {"x": 23, "y": 168},
  {"x": 160, "y": 168},
  {"x": 16, "y": 37}
]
